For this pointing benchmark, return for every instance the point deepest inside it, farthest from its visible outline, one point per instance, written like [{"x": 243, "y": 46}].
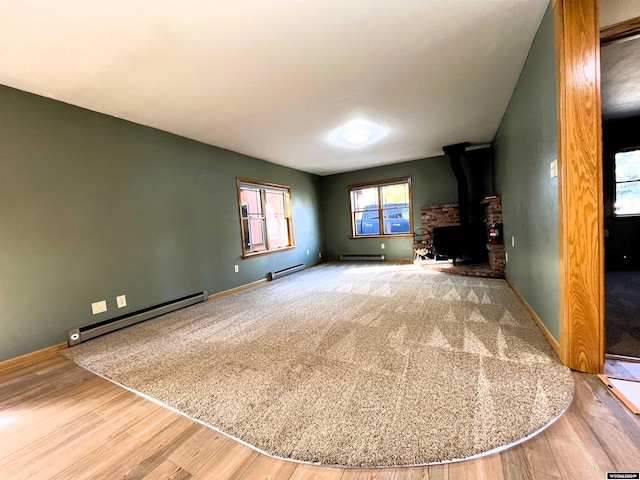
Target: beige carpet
[{"x": 355, "y": 365}]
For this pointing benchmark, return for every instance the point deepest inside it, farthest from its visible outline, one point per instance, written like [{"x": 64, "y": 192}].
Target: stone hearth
[{"x": 448, "y": 215}]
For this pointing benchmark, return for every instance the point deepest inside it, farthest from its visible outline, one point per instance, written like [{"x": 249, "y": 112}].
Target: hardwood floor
[{"x": 59, "y": 421}]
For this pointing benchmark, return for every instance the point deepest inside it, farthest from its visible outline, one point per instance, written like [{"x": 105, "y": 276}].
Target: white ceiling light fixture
[{"x": 357, "y": 134}]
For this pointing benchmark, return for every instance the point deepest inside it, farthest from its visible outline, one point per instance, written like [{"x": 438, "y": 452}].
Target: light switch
[
  {"x": 553, "y": 168},
  {"x": 99, "y": 307},
  {"x": 121, "y": 300}
]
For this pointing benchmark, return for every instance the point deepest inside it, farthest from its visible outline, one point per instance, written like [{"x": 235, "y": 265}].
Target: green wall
[
  {"x": 432, "y": 183},
  {"x": 92, "y": 207},
  {"x": 525, "y": 144}
]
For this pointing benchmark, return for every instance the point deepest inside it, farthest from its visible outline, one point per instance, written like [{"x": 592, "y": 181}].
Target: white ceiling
[
  {"x": 273, "y": 79},
  {"x": 620, "y": 63}
]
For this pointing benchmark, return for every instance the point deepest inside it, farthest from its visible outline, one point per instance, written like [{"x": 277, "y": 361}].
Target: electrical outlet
[
  {"x": 382, "y": 246},
  {"x": 99, "y": 307},
  {"x": 320, "y": 255},
  {"x": 121, "y": 300},
  {"x": 307, "y": 251},
  {"x": 606, "y": 232},
  {"x": 235, "y": 268},
  {"x": 513, "y": 241},
  {"x": 506, "y": 257}
]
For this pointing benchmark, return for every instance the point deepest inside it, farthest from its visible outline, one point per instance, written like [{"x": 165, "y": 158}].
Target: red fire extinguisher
[{"x": 494, "y": 233}]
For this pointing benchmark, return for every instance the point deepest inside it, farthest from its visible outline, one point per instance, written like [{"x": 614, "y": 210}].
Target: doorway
[{"x": 620, "y": 80}]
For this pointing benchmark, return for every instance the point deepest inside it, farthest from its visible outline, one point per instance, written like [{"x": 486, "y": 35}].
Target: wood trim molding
[
  {"x": 580, "y": 186},
  {"x": 628, "y": 403},
  {"x": 252, "y": 284},
  {"x": 543, "y": 328},
  {"x": 236, "y": 289},
  {"x": 621, "y": 358},
  {"x": 379, "y": 184},
  {"x": 560, "y": 85},
  {"x": 31, "y": 358},
  {"x": 288, "y": 215},
  {"x": 620, "y": 32},
  {"x": 399, "y": 260}
]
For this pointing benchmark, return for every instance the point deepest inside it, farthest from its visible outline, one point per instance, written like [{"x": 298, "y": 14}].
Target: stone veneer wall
[
  {"x": 447, "y": 215},
  {"x": 496, "y": 253},
  {"x": 492, "y": 210}
]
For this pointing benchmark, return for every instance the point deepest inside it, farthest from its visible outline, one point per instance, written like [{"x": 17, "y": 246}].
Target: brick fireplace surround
[{"x": 448, "y": 215}]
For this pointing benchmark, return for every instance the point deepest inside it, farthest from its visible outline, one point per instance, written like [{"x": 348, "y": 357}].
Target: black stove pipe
[{"x": 455, "y": 152}]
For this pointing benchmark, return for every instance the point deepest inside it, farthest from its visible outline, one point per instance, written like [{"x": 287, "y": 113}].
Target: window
[
  {"x": 381, "y": 209},
  {"x": 265, "y": 214},
  {"x": 627, "y": 168}
]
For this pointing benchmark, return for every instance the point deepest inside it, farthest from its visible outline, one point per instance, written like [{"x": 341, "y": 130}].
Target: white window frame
[{"x": 616, "y": 183}]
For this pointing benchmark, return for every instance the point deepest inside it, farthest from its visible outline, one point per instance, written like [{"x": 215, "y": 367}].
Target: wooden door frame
[
  {"x": 620, "y": 32},
  {"x": 581, "y": 215}
]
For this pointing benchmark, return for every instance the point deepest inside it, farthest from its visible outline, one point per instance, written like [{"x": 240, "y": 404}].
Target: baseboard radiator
[
  {"x": 86, "y": 332},
  {"x": 362, "y": 258},
  {"x": 285, "y": 271}
]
